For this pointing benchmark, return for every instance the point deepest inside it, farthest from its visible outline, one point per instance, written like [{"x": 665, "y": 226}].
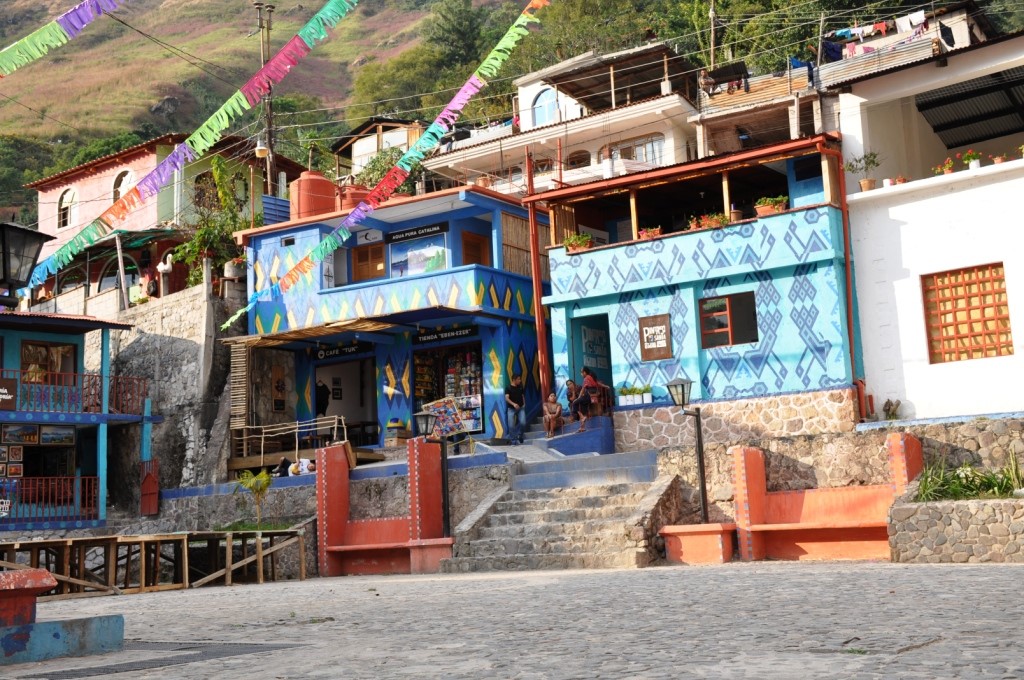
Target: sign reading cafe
[{"x": 655, "y": 338}]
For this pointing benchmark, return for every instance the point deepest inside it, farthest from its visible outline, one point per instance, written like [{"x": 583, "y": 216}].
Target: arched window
[
  {"x": 71, "y": 279},
  {"x": 111, "y": 276},
  {"x": 577, "y": 159},
  {"x": 545, "y": 108},
  {"x": 122, "y": 183},
  {"x": 67, "y": 208}
]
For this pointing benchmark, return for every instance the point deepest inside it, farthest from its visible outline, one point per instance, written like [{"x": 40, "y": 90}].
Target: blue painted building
[
  {"x": 430, "y": 297},
  {"x": 56, "y": 420},
  {"x": 760, "y": 306}
]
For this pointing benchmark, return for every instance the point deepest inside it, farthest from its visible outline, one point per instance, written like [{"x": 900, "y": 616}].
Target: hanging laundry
[
  {"x": 831, "y": 51},
  {"x": 917, "y": 18},
  {"x": 903, "y": 25},
  {"x": 797, "y": 63},
  {"x": 947, "y": 35},
  {"x": 867, "y": 49},
  {"x": 881, "y": 27},
  {"x": 851, "y": 49},
  {"x": 844, "y": 33}
]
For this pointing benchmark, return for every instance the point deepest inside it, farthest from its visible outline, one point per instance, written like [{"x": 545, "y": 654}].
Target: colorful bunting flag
[
  {"x": 208, "y": 134},
  {"x": 430, "y": 138}
]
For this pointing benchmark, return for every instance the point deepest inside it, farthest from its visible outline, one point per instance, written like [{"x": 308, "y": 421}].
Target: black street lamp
[
  {"x": 679, "y": 390},
  {"x": 19, "y": 249},
  {"x": 425, "y": 426}
]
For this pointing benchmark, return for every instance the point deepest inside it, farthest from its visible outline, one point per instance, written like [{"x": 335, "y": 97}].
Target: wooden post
[
  {"x": 633, "y": 214},
  {"x": 726, "y": 198},
  {"x": 259, "y": 557},
  {"x": 120, "y": 268},
  {"x": 302, "y": 554},
  {"x": 184, "y": 562},
  {"x": 229, "y": 556},
  {"x": 611, "y": 76}
]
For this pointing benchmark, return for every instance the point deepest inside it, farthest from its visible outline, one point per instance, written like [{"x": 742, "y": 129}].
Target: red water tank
[{"x": 312, "y": 194}]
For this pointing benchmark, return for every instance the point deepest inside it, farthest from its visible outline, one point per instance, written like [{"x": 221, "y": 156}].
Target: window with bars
[
  {"x": 967, "y": 314},
  {"x": 728, "y": 320}
]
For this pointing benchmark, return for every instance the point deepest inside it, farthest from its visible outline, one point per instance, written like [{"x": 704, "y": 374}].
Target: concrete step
[
  {"x": 545, "y": 529},
  {"x": 567, "y": 503},
  {"x": 582, "y": 492},
  {"x": 626, "y": 559},
  {"x": 546, "y": 545},
  {"x": 560, "y": 516},
  {"x": 614, "y": 460},
  {"x": 581, "y": 478}
]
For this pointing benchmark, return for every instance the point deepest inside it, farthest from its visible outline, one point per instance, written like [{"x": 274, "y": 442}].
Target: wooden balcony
[{"x": 43, "y": 392}]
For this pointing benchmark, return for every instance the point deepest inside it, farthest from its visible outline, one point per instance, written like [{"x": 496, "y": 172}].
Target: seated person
[
  {"x": 552, "y": 415},
  {"x": 282, "y": 468},
  {"x": 572, "y": 393}
]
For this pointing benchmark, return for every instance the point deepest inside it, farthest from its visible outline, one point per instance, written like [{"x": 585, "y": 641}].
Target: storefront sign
[
  {"x": 8, "y": 394},
  {"x": 418, "y": 232},
  {"x": 426, "y": 336},
  {"x": 343, "y": 351},
  {"x": 369, "y": 236},
  {"x": 655, "y": 338}
]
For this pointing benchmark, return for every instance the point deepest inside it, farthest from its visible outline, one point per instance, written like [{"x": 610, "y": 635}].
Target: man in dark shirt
[{"x": 515, "y": 410}]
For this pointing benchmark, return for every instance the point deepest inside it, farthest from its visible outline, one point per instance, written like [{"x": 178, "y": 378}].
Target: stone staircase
[{"x": 583, "y": 512}]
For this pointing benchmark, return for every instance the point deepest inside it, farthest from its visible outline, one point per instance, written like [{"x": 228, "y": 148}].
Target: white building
[{"x": 939, "y": 260}]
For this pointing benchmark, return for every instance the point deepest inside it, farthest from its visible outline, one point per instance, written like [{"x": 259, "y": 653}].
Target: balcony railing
[
  {"x": 43, "y": 392},
  {"x": 50, "y": 499}
]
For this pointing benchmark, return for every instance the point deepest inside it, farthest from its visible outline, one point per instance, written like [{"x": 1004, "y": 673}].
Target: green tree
[
  {"x": 217, "y": 216},
  {"x": 258, "y": 486},
  {"x": 379, "y": 165},
  {"x": 396, "y": 86},
  {"x": 454, "y": 30},
  {"x": 304, "y": 130}
]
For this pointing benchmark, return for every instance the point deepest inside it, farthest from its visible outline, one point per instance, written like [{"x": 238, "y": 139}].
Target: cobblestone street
[{"x": 767, "y": 620}]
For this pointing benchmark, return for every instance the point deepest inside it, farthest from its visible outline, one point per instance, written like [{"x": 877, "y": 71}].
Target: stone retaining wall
[
  {"x": 957, "y": 531},
  {"x": 737, "y": 422}
]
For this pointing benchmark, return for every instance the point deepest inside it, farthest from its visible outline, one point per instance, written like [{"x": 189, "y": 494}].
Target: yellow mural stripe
[
  {"x": 477, "y": 298},
  {"x": 276, "y": 325},
  {"x": 343, "y": 312},
  {"x": 325, "y": 313},
  {"x": 360, "y": 310},
  {"x": 259, "y": 325},
  {"x": 405, "y": 379},
  {"x": 261, "y": 276},
  {"x": 499, "y": 427},
  {"x": 496, "y": 376},
  {"x": 275, "y": 266},
  {"x": 378, "y": 305},
  {"x": 307, "y": 394},
  {"x": 453, "y": 296},
  {"x": 389, "y": 375},
  {"x": 508, "y": 300},
  {"x": 417, "y": 297},
  {"x": 519, "y": 300},
  {"x": 494, "y": 297},
  {"x": 396, "y": 306},
  {"x": 291, "y": 320},
  {"x": 310, "y": 317},
  {"x": 432, "y": 298}
]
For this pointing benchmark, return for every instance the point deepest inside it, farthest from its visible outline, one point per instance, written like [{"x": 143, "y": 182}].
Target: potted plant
[
  {"x": 576, "y": 242},
  {"x": 735, "y": 215},
  {"x": 998, "y": 158},
  {"x": 217, "y": 215},
  {"x": 769, "y": 205},
  {"x": 944, "y": 168},
  {"x": 971, "y": 158},
  {"x": 647, "y": 394},
  {"x": 373, "y": 172},
  {"x": 710, "y": 221},
  {"x": 900, "y": 179},
  {"x": 862, "y": 165},
  {"x": 1020, "y": 149},
  {"x": 235, "y": 267},
  {"x": 650, "y": 232}
]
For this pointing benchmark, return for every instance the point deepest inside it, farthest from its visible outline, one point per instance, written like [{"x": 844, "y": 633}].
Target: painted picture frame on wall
[
  {"x": 336, "y": 393},
  {"x": 56, "y": 435},
  {"x": 3, "y": 454},
  {"x": 19, "y": 434},
  {"x": 15, "y": 469},
  {"x": 3, "y": 469},
  {"x": 15, "y": 454}
]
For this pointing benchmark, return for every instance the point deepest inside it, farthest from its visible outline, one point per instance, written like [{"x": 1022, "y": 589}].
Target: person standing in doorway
[
  {"x": 580, "y": 408},
  {"x": 515, "y": 410}
]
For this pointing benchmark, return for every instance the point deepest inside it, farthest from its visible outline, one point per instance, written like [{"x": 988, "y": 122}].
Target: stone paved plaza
[{"x": 766, "y": 620}]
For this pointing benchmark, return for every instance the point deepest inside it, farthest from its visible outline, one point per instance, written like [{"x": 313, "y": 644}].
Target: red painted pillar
[
  {"x": 751, "y": 498},
  {"x": 425, "y": 503},
  {"x": 18, "y": 593},
  {"x": 332, "y": 506},
  {"x": 906, "y": 459}
]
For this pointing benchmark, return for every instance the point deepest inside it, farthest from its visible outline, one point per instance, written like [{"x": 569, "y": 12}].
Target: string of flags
[
  {"x": 58, "y": 32},
  {"x": 208, "y": 134},
  {"x": 430, "y": 139}
]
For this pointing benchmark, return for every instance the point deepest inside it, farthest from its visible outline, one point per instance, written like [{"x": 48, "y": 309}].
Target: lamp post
[
  {"x": 425, "y": 426},
  {"x": 19, "y": 249},
  {"x": 679, "y": 390}
]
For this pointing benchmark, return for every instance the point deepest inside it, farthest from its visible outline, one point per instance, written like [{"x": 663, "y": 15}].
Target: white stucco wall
[{"x": 933, "y": 225}]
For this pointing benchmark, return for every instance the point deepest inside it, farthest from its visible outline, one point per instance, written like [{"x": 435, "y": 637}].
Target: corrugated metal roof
[
  {"x": 975, "y": 110},
  {"x": 49, "y": 323},
  {"x": 758, "y": 90}
]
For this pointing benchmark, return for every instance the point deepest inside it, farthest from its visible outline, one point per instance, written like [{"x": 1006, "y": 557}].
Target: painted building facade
[
  {"x": 759, "y": 306},
  {"x": 430, "y": 297},
  {"x": 57, "y": 420}
]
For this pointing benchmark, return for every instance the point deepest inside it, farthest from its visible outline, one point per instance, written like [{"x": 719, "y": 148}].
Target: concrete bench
[
  {"x": 409, "y": 544},
  {"x": 818, "y": 524}
]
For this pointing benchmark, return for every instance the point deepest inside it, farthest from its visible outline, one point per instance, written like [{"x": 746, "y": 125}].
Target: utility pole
[
  {"x": 711, "y": 15},
  {"x": 264, "y": 15}
]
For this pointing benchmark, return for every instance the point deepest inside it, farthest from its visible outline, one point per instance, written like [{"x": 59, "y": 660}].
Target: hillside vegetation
[{"x": 399, "y": 57}]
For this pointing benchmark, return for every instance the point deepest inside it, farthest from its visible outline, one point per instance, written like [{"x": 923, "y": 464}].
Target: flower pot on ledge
[
  {"x": 766, "y": 210},
  {"x": 868, "y": 184}
]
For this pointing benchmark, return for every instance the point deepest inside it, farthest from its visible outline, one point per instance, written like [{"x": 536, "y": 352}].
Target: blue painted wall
[
  {"x": 793, "y": 264},
  {"x": 810, "y": 191}
]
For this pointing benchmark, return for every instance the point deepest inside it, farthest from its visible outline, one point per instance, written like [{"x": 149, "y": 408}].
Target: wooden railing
[
  {"x": 76, "y": 392},
  {"x": 51, "y": 499}
]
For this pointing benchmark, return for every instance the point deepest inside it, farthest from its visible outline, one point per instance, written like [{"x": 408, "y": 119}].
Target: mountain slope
[{"x": 109, "y": 77}]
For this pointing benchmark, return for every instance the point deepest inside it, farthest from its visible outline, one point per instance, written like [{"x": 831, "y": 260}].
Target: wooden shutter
[
  {"x": 368, "y": 262},
  {"x": 476, "y": 249}
]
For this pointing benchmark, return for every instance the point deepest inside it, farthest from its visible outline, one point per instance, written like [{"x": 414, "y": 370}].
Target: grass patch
[
  {"x": 249, "y": 525},
  {"x": 938, "y": 482}
]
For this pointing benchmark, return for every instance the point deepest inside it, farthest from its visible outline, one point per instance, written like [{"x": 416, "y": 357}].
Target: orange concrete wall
[
  {"x": 332, "y": 503},
  {"x": 822, "y": 505}
]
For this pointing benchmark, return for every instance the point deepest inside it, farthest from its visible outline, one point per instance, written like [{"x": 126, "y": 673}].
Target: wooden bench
[
  {"x": 819, "y": 524},
  {"x": 407, "y": 544}
]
